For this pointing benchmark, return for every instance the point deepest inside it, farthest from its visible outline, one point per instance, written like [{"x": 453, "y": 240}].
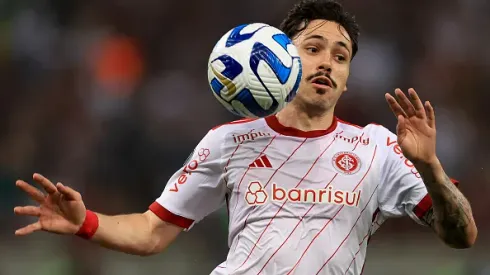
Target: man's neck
[{"x": 296, "y": 117}]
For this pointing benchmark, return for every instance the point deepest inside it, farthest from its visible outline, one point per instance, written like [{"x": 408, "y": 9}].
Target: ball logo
[
  {"x": 346, "y": 162},
  {"x": 255, "y": 194}
]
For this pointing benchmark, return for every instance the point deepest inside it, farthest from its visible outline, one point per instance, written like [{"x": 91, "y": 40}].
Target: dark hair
[{"x": 306, "y": 11}]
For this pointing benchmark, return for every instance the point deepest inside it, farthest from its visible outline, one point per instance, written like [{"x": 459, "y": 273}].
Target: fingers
[
  {"x": 27, "y": 211},
  {"x": 431, "y": 117},
  {"x": 28, "y": 229},
  {"x": 394, "y": 106},
  {"x": 68, "y": 192},
  {"x": 415, "y": 100},
  {"x": 45, "y": 183},
  {"x": 33, "y": 192},
  {"x": 405, "y": 103}
]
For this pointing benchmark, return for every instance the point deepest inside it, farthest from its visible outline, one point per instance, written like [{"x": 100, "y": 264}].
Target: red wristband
[{"x": 89, "y": 226}]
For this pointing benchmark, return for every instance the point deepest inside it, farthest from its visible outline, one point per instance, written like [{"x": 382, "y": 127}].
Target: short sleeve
[
  {"x": 402, "y": 189},
  {"x": 197, "y": 189}
]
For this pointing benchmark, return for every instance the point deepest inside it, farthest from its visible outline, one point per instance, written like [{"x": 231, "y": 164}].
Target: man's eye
[
  {"x": 312, "y": 49},
  {"x": 340, "y": 57}
]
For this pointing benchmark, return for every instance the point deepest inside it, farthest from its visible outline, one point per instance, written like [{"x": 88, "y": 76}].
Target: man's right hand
[{"x": 60, "y": 211}]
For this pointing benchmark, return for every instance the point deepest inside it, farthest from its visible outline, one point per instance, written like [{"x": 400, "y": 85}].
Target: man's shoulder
[
  {"x": 243, "y": 123},
  {"x": 373, "y": 131},
  {"x": 238, "y": 129}
]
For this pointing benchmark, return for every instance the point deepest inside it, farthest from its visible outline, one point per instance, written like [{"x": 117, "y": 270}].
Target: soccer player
[{"x": 304, "y": 189}]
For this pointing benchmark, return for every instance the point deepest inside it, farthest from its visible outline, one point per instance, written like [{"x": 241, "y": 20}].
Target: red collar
[{"x": 290, "y": 131}]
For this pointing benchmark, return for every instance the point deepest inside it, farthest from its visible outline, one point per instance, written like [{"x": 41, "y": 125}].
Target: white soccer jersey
[{"x": 298, "y": 202}]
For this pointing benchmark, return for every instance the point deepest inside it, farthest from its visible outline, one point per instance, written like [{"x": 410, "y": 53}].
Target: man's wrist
[{"x": 89, "y": 226}]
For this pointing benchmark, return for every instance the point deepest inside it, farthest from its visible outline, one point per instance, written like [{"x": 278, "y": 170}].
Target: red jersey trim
[
  {"x": 170, "y": 217},
  {"x": 426, "y": 203},
  {"x": 275, "y": 125}
]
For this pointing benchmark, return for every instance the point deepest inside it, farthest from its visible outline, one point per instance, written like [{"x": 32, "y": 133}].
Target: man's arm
[
  {"x": 416, "y": 134},
  {"x": 190, "y": 194},
  {"x": 139, "y": 234},
  {"x": 450, "y": 216},
  {"x": 61, "y": 210}
]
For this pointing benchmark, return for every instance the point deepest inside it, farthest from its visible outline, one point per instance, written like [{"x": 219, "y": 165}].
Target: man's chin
[{"x": 316, "y": 105}]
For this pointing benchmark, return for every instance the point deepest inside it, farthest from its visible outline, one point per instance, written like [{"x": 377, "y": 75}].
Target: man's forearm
[
  {"x": 451, "y": 215},
  {"x": 126, "y": 233}
]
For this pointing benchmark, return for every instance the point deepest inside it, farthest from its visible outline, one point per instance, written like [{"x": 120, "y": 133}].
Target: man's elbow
[
  {"x": 463, "y": 240},
  {"x": 147, "y": 253},
  {"x": 150, "y": 250}
]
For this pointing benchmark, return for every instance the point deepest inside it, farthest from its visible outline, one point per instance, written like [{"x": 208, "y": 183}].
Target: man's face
[{"x": 325, "y": 50}]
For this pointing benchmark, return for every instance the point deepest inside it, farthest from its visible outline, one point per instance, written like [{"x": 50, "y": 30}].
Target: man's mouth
[{"x": 322, "y": 82}]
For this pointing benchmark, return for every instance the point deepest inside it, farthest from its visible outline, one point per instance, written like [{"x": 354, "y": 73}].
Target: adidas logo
[{"x": 262, "y": 161}]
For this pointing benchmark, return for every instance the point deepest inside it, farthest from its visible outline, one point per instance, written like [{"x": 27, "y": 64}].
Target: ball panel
[
  {"x": 246, "y": 98},
  {"x": 225, "y": 70},
  {"x": 242, "y": 33}
]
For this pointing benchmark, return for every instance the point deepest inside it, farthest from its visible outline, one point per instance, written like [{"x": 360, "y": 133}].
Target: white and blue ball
[{"x": 254, "y": 70}]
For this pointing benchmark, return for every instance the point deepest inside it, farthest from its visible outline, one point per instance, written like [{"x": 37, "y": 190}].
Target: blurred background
[{"x": 110, "y": 97}]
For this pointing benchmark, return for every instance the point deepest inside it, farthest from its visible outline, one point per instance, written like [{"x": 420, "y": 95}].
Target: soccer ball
[{"x": 254, "y": 70}]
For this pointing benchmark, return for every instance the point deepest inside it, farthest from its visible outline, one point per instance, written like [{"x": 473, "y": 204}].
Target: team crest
[{"x": 346, "y": 162}]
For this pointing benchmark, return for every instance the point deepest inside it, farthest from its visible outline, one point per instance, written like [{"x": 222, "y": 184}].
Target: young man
[{"x": 304, "y": 190}]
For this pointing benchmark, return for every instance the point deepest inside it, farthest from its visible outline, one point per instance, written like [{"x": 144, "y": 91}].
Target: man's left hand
[{"x": 416, "y": 128}]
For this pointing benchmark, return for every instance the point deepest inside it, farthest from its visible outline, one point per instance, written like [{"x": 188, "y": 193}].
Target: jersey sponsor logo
[
  {"x": 189, "y": 168},
  {"x": 346, "y": 162},
  {"x": 398, "y": 151},
  {"x": 250, "y": 136},
  {"x": 256, "y": 195},
  {"x": 356, "y": 139},
  {"x": 262, "y": 162}
]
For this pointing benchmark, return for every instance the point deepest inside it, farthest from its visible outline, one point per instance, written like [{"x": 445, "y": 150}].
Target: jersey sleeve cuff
[
  {"x": 170, "y": 217},
  {"x": 426, "y": 203}
]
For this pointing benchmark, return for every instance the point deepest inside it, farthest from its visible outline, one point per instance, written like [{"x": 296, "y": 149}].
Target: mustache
[{"x": 320, "y": 73}]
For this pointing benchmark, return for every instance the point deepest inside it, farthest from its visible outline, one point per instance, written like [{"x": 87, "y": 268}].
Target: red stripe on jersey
[
  {"x": 426, "y": 203},
  {"x": 282, "y": 164},
  {"x": 232, "y": 154},
  {"x": 328, "y": 222},
  {"x": 294, "y": 229},
  {"x": 363, "y": 265},
  {"x": 275, "y": 125},
  {"x": 246, "y": 219},
  {"x": 170, "y": 217},
  {"x": 266, "y": 161},
  {"x": 240, "y": 121},
  {"x": 246, "y": 171},
  {"x": 299, "y": 222},
  {"x": 348, "y": 234},
  {"x": 226, "y": 167},
  {"x": 359, "y": 250}
]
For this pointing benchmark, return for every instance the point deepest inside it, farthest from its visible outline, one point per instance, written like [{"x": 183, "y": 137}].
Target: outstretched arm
[
  {"x": 62, "y": 211},
  {"x": 451, "y": 215}
]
